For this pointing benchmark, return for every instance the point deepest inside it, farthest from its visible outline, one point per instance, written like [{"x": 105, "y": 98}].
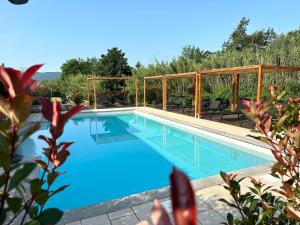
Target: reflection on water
[
  {"x": 196, "y": 155},
  {"x": 104, "y": 130}
]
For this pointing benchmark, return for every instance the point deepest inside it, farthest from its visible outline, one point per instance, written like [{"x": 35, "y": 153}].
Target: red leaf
[
  {"x": 183, "y": 199},
  {"x": 232, "y": 176},
  {"x": 74, "y": 110},
  {"x": 29, "y": 73},
  {"x": 5, "y": 76},
  {"x": 66, "y": 145},
  {"x": 47, "y": 108},
  {"x": 159, "y": 215}
]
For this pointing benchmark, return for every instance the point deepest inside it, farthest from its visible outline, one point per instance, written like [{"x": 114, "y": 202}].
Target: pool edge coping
[
  {"x": 164, "y": 192},
  {"x": 148, "y": 196}
]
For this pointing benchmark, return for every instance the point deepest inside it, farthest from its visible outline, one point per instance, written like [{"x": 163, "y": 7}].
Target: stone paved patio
[{"x": 210, "y": 210}]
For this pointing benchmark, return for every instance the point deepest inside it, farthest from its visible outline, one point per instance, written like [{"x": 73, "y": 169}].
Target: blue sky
[{"x": 52, "y": 31}]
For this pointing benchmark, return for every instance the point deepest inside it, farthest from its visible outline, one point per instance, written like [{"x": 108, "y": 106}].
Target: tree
[
  {"x": 114, "y": 64},
  {"x": 191, "y": 52},
  {"x": 239, "y": 39}
]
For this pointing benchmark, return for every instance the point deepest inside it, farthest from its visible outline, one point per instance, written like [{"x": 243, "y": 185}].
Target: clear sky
[{"x": 52, "y": 31}]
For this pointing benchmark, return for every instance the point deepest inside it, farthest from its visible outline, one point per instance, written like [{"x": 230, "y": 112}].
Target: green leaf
[
  {"x": 21, "y": 174},
  {"x": 2, "y": 216},
  {"x": 225, "y": 177},
  {"x": 14, "y": 204},
  {"x": 35, "y": 186},
  {"x": 21, "y": 106},
  {"x": 261, "y": 217},
  {"x": 52, "y": 177},
  {"x": 42, "y": 197},
  {"x": 33, "y": 212},
  {"x": 59, "y": 190},
  {"x": 253, "y": 190},
  {"x": 5, "y": 160},
  {"x": 230, "y": 218},
  {"x": 50, "y": 216}
]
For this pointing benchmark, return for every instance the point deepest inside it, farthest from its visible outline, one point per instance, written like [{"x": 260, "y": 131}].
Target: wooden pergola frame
[
  {"x": 108, "y": 78},
  {"x": 164, "y": 79},
  {"x": 234, "y": 72}
]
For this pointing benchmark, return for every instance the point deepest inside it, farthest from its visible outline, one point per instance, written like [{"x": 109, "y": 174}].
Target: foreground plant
[
  {"x": 23, "y": 196},
  {"x": 183, "y": 203},
  {"x": 278, "y": 120}
]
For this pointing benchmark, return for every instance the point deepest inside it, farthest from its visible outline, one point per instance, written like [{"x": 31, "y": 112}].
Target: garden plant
[{"x": 26, "y": 184}]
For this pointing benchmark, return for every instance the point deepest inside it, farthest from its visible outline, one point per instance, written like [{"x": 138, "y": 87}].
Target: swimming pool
[{"x": 118, "y": 154}]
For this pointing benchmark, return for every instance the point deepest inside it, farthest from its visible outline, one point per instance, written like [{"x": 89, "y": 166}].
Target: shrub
[
  {"x": 16, "y": 200},
  {"x": 282, "y": 132}
]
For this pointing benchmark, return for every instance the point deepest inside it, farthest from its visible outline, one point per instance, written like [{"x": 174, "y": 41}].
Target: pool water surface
[{"x": 122, "y": 154}]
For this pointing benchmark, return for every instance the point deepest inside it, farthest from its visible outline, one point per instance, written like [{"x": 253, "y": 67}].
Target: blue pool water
[{"x": 122, "y": 154}]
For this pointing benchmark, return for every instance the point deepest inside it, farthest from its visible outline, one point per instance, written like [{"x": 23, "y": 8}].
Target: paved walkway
[{"x": 210, "y": 210}]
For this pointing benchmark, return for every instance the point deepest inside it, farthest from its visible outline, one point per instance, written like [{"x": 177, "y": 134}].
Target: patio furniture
[
  {"x": 238, "y": 112},
  {"x": 213, "y": 108}
]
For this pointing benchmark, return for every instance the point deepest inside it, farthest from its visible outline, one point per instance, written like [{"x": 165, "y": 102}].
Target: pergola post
[
  {"x": 145, "y": 92},
  {"x": 88, "y": 93},
  {"x": 233, "y": 92},
  {"x": 237, "y": 86},
  {"x": 196, "y": 95},
  {"x": 200, "y": 94},
  {"x": 95, "y": 98},
  {"x": 136, "y": 92},
  {"x": 259, "y": 83},
  {"x": 164, "y": 90}
]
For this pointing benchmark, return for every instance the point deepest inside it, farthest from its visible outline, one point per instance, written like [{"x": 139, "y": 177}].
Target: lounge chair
[
  {"x": 120, "y": 101},
  {"x": 213, "y": 108},
  {"x": 179, "y": 103},
  {"x": 170, "y": 102},
  {"x": 237, "y": 112},
  {"x": 103, "y": 100}
]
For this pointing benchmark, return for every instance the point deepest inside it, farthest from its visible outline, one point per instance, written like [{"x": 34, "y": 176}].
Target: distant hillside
[{"x": 46, "y": 76}]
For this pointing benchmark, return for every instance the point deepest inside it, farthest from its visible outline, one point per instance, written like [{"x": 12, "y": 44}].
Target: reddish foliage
[
  {"x": 52, "y": 112},
  {"x": 16, "y": 82}
]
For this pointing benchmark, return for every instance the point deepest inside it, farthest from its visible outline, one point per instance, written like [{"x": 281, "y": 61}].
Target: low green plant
[
  {"x": 281, "y": 131},
  {"x": 23, "y": 196}
]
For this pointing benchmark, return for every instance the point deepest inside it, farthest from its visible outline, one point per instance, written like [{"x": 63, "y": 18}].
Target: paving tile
[
  {"x": 269, "y": 178},
  {"x": 201, "y": 205},
  {"x": 97, "y": 220},
  {"x": 126, "y": 220},
  {"x": 167, "y": 205},
  {"x": 210, "y": 217},
  {"x": 120, "y": 213},
  {"x": 74, "y": 223},
  {"x": 213, "y": 189},
  {"x": 143, "y": 211},
  {"x": 212, "y": 199}
]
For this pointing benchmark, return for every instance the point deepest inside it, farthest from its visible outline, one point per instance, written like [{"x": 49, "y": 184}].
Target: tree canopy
[{"x": 239, "y": 39}]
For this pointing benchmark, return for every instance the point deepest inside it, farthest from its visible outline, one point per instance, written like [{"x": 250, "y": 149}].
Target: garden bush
[{"x": 23, "y": 197}]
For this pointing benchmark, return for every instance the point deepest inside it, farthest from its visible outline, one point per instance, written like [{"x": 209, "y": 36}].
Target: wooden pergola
[
  {"x": 94, "y": 79},
  {"x": 164, "y": 79},
  {"x": 234, "y": 72}
]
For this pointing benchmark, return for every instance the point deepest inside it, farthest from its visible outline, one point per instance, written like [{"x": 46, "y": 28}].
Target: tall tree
[
  {"x": 239, "y": 39},
  {"x": 114, "y": 64}
]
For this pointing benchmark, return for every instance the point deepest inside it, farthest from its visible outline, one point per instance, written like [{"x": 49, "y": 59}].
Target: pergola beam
[{"x": 94, "y": 79}]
